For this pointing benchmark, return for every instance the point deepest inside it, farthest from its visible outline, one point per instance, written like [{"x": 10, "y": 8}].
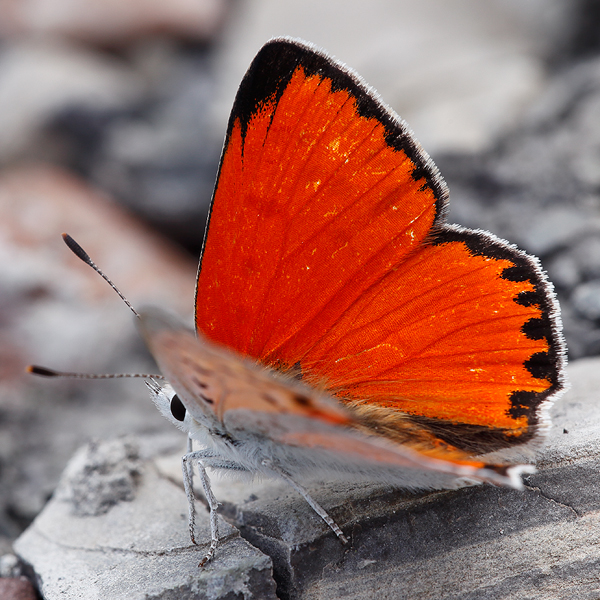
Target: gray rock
[
  {"x": 9, "y": 566},
  {"x": 476, "y": 542},
  {"x": 564, "y": 270},
  {"x": 100, "y": 476},
  {"x": 162, "y": 161},
  {"x": 554, "y": 228},
  {"x": 136, "y": 547},
  {"x": 587, "y": 253},
  {"x": 584, "y": 337}
]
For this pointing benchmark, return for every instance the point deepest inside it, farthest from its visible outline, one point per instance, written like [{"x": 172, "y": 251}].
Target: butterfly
[{"x": 343, "y": 328}]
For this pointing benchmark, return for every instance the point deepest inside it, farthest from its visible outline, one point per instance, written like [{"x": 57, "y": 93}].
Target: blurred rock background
[{"x": 112, "y": 116}]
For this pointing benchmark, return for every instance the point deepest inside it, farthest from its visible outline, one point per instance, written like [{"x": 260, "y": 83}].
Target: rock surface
[
  {"x": 477, "y": 542},
  {"x": 88, "y": 543}
]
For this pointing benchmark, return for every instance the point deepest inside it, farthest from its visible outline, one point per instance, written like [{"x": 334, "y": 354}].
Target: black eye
[{"x": 177, "y": 408}]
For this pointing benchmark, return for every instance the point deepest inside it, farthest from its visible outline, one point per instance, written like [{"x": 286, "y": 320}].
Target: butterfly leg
[
  {"x": 188, "y": 483},
  {"x": 213, "y": 505},
  {"x": 311, "y": 502}
]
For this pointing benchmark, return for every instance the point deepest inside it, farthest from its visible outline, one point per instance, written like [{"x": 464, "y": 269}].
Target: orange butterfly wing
[{"x": 327, "y": 251}]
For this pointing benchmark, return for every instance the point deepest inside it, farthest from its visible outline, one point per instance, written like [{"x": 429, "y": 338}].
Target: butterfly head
[
  {"x": 169, "y": 404},
  {"x": 201, "y": 427}
]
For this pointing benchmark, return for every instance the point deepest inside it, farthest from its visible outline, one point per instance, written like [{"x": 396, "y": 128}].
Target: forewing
[
  {"x": 321, "y": 191},
  {"x": 326, "y": 254}
]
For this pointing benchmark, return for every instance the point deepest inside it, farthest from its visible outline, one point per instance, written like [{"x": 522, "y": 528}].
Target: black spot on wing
[
  {"x": 206, "y": 399},
  {"x": 523, "y": 404},
  {"x": 301, "y": 400}
]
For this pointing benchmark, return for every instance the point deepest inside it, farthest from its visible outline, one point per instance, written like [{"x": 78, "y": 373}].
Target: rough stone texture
[
  {"x": 100, "y": 476},
  {"x": 138, "y": 546}
]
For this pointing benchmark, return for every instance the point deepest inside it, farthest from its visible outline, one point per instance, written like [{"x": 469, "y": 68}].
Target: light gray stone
[
  {"x": 139, "y": 547},
  {"x": 554, "y": 228},
  {"x": 587, "y": 252},
  {"x": 564, "y": 270},
  {"x": 9, "y": 566}
]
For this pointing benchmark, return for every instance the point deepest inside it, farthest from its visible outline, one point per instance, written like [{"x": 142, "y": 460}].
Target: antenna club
[
  {"x": 76, "y": 249},
  {"x": 84, "y": 256},
  {"x": 42, "y": 371}
]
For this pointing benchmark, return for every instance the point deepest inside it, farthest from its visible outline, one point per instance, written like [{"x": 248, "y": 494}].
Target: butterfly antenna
[
  {"x": 45, "y": 372},
  {"x": 78, "y": 251}
]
